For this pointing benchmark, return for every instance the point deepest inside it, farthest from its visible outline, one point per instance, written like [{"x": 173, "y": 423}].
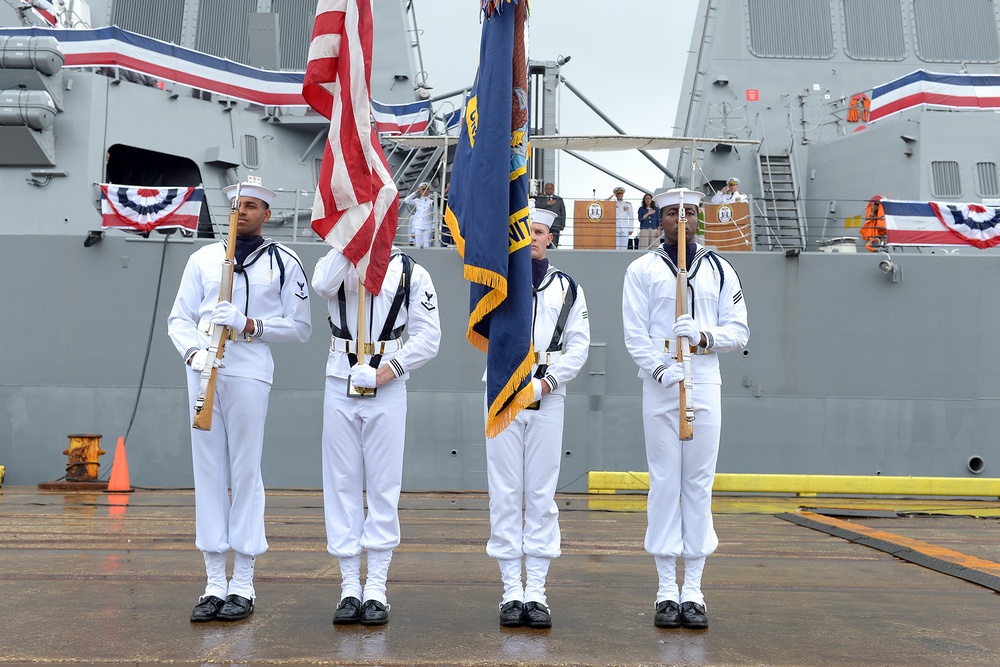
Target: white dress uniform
[
  {"x": 272, "y": 289},
  {"x": 726, "y": 197},
  {"x": 522, "y": 462},
  {"x": 624, "y": 224},
  {"x": 681, "y": 473},
  {"x": 363, "y": 437},
  {"x": 422, "y": 220}
]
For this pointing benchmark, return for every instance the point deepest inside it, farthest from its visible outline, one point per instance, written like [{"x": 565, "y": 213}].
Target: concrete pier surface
[{"x": 110, "y": 579}]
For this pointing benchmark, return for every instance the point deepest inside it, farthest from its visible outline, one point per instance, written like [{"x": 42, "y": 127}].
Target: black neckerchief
[
  {"x": 246, "y": 245},
  {"x": 538, "y": 269},
  {"x": 671, "y": 251}
]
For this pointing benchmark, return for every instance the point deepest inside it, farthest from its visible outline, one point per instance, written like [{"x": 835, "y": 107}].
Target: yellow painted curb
[{"x": 612, "y": 481}]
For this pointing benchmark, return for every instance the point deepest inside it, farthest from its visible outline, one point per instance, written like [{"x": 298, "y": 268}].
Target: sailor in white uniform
[
  {"x": 270, "y": 304},
  {"x": 422, "y": 220},
  {"x": 681, "y": 473},
  {"x": 624, "y": 220},
  {"x": 363, "y": 435},
  {"x": 730, "y": 193},
  {"x": 522, "y": 462}
]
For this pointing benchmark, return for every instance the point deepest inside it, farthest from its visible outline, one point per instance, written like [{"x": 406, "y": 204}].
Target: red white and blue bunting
[
  {"x": 142, "y": 209},
  {"x": 940, "y": 223}
]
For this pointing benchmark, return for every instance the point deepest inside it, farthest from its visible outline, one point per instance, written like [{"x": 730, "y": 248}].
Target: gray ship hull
[{"x": 845, "y": 373}]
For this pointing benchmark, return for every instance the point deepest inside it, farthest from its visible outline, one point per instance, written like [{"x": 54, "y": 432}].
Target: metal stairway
[
  {"x": 782, "y": 211},
  {"x": 417, "y": 166}
]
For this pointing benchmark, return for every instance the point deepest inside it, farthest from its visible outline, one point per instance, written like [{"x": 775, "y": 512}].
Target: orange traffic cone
[{"x": 119, "y": 470}]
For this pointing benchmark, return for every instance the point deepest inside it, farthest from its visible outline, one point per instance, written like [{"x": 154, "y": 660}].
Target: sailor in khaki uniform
[
  {"x": 270, "y": 304},
  {"x": 681, "y": 473},
  {"x": 363, "y": 435},
  {"x": 522, "y": 462}
]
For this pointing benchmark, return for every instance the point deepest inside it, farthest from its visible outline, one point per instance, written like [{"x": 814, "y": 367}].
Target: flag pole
[{"x": 361, "y": 391}]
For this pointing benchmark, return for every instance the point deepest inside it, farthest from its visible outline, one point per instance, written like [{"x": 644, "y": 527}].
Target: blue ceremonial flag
[{"x": 488, "y": 211}]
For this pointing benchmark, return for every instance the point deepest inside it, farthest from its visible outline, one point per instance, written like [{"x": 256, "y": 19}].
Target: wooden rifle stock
[
  {"x": 205, "y": 400},
  {"x": 686, "y": 412}
]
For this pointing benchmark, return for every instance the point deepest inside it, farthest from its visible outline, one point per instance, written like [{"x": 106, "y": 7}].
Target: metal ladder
[{"x": 782, "y": 211}]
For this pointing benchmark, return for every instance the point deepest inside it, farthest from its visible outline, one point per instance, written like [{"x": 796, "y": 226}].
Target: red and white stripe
[
  {"x": 44, "y": 9},
  {"x": 357, "y": 204}
]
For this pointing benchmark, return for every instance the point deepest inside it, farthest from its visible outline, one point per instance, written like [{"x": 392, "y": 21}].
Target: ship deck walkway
[{"x": 110, "y": 579}]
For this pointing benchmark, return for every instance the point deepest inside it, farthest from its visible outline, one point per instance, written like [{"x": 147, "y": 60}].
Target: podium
[
  {"x": 727, "y": 226},
  {"x": 594, "y": 224}
]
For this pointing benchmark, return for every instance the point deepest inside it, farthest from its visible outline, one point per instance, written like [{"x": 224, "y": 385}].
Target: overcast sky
[{"x": 628, "y": 59}]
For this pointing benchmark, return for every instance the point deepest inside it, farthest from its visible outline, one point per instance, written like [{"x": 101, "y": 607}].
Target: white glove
[
  {"x": 227, "y": 314},
  {"x": 363, "y": 375},
  {"x": 536, "y": 386},
  {"x": 685, "y": 326},
  {"x": 673, "y": 375},
  {"x": 200, "y": 359}
]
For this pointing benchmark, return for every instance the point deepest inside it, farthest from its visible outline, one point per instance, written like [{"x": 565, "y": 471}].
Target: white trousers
[
  {"x": 362, "y": 452},
  {"x": 679, "y": 506},
  {"x": 523, "y": 463},
  {"x": 423, "y": 234},
  {"x": 229, "y": 456},
  {"x": 621, "y": 238}
]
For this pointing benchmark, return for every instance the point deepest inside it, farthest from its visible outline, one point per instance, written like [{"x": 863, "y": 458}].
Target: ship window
[
  {"x": 874, "y": 29},
  {"x": 790, "y": 28},
  {"x": 946, "y": 180},
  {"x": 957, "y": 31},
  {"x": 295, "y": 24},
  {"x": 159, "y": 20},
  {"x": 986, "y": 173},
  {"x": 251, "y": 154},
  {"x": 317, "y": 166},
  {"x": 222, "y": 28}
]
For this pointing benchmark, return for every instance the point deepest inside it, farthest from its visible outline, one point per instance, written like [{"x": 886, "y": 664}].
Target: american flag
[{"x": 357, "y": 204}]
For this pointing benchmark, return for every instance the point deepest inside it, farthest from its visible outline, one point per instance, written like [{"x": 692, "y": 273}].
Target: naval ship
[{"x": 867, "y": 363}]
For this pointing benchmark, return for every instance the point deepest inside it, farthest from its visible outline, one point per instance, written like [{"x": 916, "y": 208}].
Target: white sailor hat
[
  {"x": 619, "y": 189},
  {"x": 249, "y": 190},
  {"x": 673, "y": 196},
  {"x": 423, "y": 185},
  {"x": 542, "y": 216},
  {"x": 733, "y": 181}
]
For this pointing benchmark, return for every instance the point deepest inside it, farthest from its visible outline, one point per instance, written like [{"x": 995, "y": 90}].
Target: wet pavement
[{"x": 102, "y": 579}]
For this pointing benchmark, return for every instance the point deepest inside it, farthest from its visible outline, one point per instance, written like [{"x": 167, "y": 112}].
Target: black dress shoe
[
  {"x": 694, "y": 616},
  {"x": 348, "y": 611},
  {"x": 512, "y": 614},
  {"x": 207, "y": 609},
  {"x": 236, "y": 608},
  {"x": 374, "y": 612},
  {"x": 668, "y": 614},
  {"x": 536, "y": 615}
]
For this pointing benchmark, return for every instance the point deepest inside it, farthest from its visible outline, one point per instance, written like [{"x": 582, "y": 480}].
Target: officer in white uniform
[
  {"x": 624, "y": 220},
  {"x": 422, "y": 220},
  {"x": 681, "y": 473},
  {"x": 363, "y": 435},
  {"x": 522, "y": 462},
  {"x": 730, "y": 193},
  {"x": 270, "y": 304}
]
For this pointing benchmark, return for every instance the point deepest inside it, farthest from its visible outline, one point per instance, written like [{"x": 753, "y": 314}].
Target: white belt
[
  {"x": 669, "y": 346},
  {"x": 205, "y": 326},
  {"x": 375, "y": 347},
  {"x": 547, "y": 358}
]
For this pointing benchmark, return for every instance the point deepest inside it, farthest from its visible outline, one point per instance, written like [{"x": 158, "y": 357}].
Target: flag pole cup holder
[{"x": 82, "y": 465}]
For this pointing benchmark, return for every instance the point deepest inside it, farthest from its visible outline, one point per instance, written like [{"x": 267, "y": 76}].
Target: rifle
[
  {"x": 686, "y": 412},
  {"x": 204, "y": 402}
]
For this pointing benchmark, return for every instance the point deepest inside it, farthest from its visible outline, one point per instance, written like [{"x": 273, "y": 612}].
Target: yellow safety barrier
[{"x": 807, "y": 485}]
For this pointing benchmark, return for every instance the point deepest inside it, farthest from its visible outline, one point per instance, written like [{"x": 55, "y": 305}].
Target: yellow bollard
[{"x": 83, "y": 452}]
